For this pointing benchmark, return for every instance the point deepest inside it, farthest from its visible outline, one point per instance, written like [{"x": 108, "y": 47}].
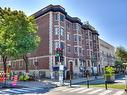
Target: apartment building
[
  {"x": 56, "y": 28},
  {"x": 107, "y": 54}
]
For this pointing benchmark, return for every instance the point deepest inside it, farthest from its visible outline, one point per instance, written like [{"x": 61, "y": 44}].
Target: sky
[{"x": 109, "y": 17}]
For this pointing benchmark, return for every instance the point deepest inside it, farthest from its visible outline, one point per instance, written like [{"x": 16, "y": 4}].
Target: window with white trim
[
  {"x": 75, "y": 38},
  {"x": 68, "y": 36},
  {"x": 56, "y": 43},
  {"x": 61, "y": 17},
  {"x": 80, "y": 50},
  {"x": 68, "y": 48},
  {"x": 56, "y": 30},
  {"x": 61, "y": 31},
  {"x": 56, "y": 16},
  {"x": 79, "y": 38},
  {"x": 76, "y": 62},
  {"x": 76, "y": 49}
]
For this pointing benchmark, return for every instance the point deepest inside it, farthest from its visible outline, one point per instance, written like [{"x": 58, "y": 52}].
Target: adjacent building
[
  {"x": 57, "y": 29},
  {"x": 107, "y": 54}
]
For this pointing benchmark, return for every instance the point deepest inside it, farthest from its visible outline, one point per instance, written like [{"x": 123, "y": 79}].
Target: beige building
[{"x": 107, "y": 54}]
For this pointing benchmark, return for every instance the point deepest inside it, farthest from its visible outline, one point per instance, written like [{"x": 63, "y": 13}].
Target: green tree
[
  {"x": 7, "y": 35},
  {"x": 27, "y": 39},
  {"x": 18, "y": 35},
  {"x": 121, "y": 54},
  {"x": 121, "y": 57}
]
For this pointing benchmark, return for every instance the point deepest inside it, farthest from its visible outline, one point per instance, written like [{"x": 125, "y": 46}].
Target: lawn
[{"x": 115, "y": 86}]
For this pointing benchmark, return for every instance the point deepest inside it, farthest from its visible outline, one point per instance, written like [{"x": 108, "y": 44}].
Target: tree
[
  {"x": 27, "y": 39},
  {"x": 121, "y": 54},
  {"x": 7, "y": 35},
  {"x": 121, "y": 57},
  {"x": 18, "y": 35}
]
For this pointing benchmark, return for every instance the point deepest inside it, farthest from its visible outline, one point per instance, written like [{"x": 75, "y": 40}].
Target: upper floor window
[
  {"x": 56, "y": 44},
  {"x": 56, "y": 16},
  {"x": 75, "y": 38},
  {"x": 61, "y": 31},
  {"x": 76, "y": 62},
  {"x": 79, "y": 38},
  {"x": 62, "y": 45},
  {"x": 69, "y": 48},
  {"x": 56, "y": 30},
  {"x": 68, "y": 37},
  {"x": 75, "y": 49},
  {"x": 80, "y": 50},
  {"x": 61, "y": 17},
  {"x": 74, "y": 26}
]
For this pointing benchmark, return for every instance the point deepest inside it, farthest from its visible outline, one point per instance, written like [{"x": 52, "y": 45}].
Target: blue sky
[{"x": 109, "y": 17}]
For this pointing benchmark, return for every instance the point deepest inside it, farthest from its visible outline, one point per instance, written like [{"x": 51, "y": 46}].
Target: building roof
[{"x": 58, "y": 8}]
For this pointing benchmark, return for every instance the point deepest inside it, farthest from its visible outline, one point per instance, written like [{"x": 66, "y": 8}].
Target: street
[
  {"x": 33, "y": 90},
  {"x": 84, "y": 91}
]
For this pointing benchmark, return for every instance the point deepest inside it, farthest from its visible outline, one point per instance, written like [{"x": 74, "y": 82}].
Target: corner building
[{"x": 56, "y": 28}]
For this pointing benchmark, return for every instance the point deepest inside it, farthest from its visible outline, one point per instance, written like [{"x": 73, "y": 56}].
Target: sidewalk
[
  {"x": 48, "y": 83},
  {"x": 79, "y": 80}
]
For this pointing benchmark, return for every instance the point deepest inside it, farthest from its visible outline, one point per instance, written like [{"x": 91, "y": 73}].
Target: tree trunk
[
  {"x": 4, "y": 58},
  {"x": 26, "y": 63}
]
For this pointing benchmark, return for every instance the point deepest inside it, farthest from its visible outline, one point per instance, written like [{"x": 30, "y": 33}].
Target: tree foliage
[
  {"x": 18, "y": 35},
  {"x": 121, "y": 54}
]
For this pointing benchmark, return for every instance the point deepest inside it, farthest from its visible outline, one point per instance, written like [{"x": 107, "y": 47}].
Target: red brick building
[{"x": 57, "y": 29}]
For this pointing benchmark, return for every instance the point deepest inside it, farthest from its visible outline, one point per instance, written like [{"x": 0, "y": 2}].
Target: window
[
  {"x": 56, "y": 44},
  {"x": 75, "y": 38},
  {"x": 80, "y": 50},
  {"x": 83, "y": 52},
  {"x": 75, "y": 49},
  {"x": 87, "y": 42},
  {"x": 56, "y": 16},
  {"x": 88, "y": 54},
  {"x": 79, "y": 38},
  {"x": 56, "y": 29},
  {"x": 61, "y": 17},
  {"x": 68, "y": 24},
  {"x": 68, "y": 37},
  {"x": 69, "y": 48},
  {"x": 61, "y": 31},
  {"x": 62, "y": 45},
  {"x": 74, "y": 26},
  {"x": 76, "y": 62}
]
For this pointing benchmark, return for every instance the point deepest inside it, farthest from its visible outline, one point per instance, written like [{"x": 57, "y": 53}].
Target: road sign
[{"x": 61, "y": 67}]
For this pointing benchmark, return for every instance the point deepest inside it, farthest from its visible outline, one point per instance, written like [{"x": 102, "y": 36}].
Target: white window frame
[{"x": 56, "y": 30}]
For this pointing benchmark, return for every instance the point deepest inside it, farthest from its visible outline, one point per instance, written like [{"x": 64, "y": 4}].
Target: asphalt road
[
  {"x": 28, "y": 91},
  {"x": 84, "y": 91}
]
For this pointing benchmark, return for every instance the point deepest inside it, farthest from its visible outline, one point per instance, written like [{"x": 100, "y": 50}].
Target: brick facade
[{"x": 57, "y": 29}]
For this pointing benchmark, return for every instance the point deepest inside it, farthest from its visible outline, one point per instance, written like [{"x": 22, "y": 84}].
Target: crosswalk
[
  {"x": 89, "y": 91},
  {"x": 20, "y": 91}
]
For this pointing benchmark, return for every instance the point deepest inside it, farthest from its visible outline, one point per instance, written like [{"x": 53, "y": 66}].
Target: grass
[{"x": 115, "y": 86}]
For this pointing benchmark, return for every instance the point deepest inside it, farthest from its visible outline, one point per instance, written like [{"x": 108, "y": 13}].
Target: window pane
[
  {"x": 75, "y": 49},
  {"x": 68, "y": 37},
  {"x": 68, "y": 48},
  {"x": 62, "y": 31},
  {"x": 61, "y": 17},
  {"x": 62, "y": 45},
  {"x": 75, "y": 37},
  {"x": 56, "y": 44},
  {"x": 76, "y": 62},
  {"x": 56, "y": 16},
  {"x": 56, "y": 29}
]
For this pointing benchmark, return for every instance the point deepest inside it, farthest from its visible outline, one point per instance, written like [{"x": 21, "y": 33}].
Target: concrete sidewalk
[
  {"x": 52, "y": 83},
  {"x": 79, "y": 80}
]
